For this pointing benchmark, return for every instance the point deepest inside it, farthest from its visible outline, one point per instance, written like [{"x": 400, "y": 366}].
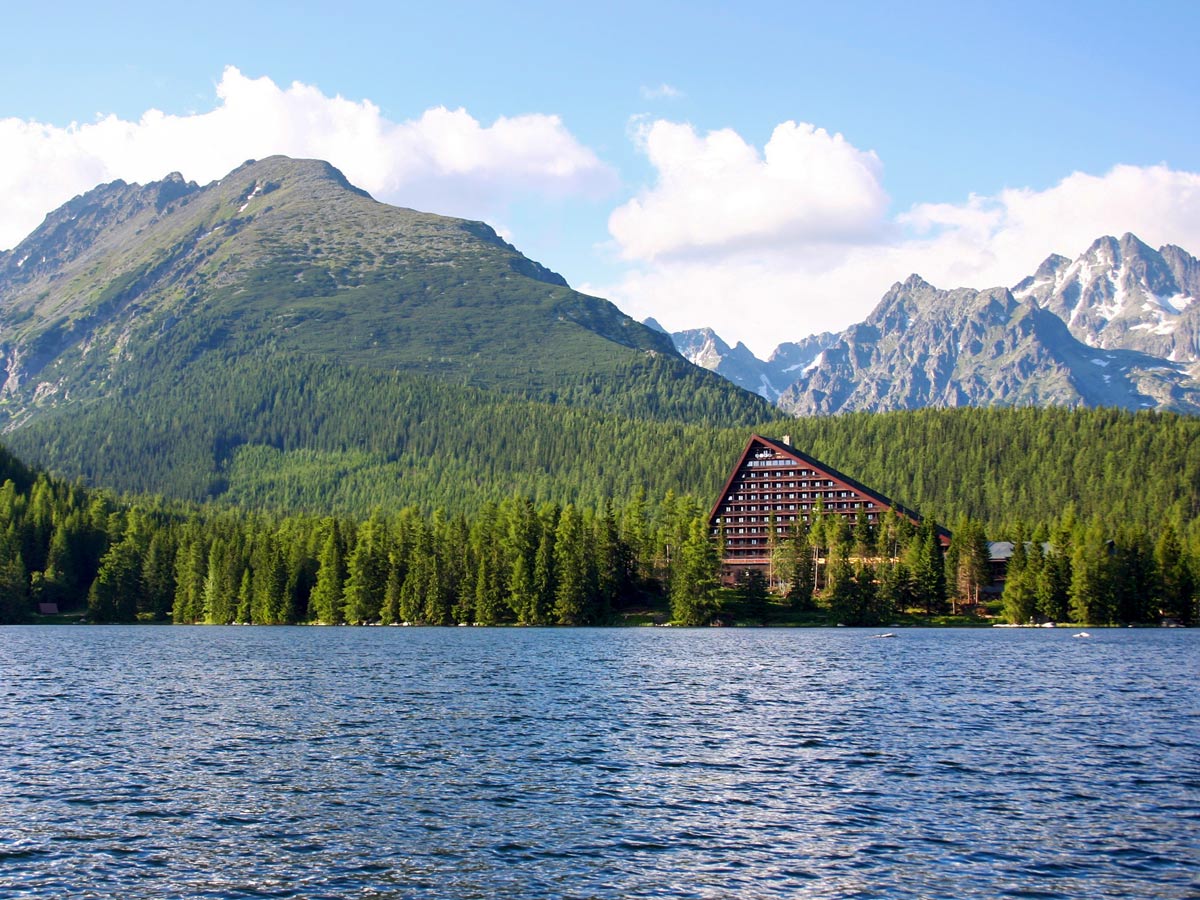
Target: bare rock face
[
  {"x": 1117, "y": 326},
  {"x": 1121, "y": 294}
]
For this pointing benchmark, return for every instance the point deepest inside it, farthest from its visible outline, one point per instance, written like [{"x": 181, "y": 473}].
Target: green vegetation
[
  {"x": 1005, "y": 467},
  {"x": 286, "y": 433},
  {"x": 529, "y": 563},
  {"x": 276, "y": 433}
]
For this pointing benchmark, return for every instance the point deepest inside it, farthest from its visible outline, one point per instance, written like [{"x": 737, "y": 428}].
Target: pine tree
[
  {"x": 1053, "y": 588},
  {"x": 695, "y": 578},
  {"x": 489, "y": 602},
  {"x": 1177, "y": 583},
  {"x": 928, "y": 568},
  {"x": 14, "y": 582},
  {"x": 434, "y": 587},
  {"x": 1134, "y": 575},
  {"x": 114, "y": 594},
  {"x": 968, "y": 561},
  {"x": 390, "y": 613},
  {"x": 325, "y": 603},
  {"x": 570, "y": 569},
  {"x": 841, "y": 588},
  {"x": 545, "y": 588},
  {"x": 270, "y": 604},
  {"x": 245, "y": 598},
  {"x": 191, "y": 567},
  {"x": 518, "y": 545},
  {"x": 219, "y": 599},
  {"x": 1091, "y": 577},
  {"x": 1019, "y": 598},
  {"x": 158, "y": 575},
  {"x": 366, "y": 575},
  {"x": 634, "y": 530},
  {"x": 752, "y": 591}
]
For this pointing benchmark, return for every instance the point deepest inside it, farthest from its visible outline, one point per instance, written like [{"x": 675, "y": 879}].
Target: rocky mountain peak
[
  {"x": 1121, "y": 294},
  {"x": 1184, "y": 267},
  {"x": 654, "y": 325},
  {"x": 1115, "y": 326}
]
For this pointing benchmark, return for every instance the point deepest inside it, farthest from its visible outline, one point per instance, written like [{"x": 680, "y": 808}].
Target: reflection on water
[{"x": 468, "y": 763}]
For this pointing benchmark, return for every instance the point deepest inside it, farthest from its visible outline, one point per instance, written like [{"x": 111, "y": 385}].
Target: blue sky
[{"x": 690, "y": 161}]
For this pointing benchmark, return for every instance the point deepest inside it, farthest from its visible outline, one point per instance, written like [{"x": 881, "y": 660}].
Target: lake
[{"x": 142, "y": 762}]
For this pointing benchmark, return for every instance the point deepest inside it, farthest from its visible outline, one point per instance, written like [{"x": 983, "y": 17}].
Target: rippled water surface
[{"x": 477, "y": 763}]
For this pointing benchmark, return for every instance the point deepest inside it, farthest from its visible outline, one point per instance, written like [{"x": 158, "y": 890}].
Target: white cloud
[
  {"x": 718, "y": 193},
  {"x": 775, "y": 246},
  {"x": 445, "y": 161},
  {"x": 998, "y": 240},
  {"x": 664, "y": 91}
]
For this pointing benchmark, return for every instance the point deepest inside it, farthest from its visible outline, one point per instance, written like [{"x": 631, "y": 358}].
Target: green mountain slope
[
  {"x": 285, "y": 254},
  {"x": 155, "y": 338},
  {"x": 288, "y": 432}
]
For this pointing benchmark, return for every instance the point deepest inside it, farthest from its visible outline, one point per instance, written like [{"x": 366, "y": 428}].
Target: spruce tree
[
  {"x": 325, "y": 603},
  {"x": 752, "y": 591},
  {"x": 158, "y": 575},
  {"x": 114, "y": 594},
  {"x": 570, "y": 569},
  {"x": 191, "y": 567},
  {"x": 1176, "y": 581},
  {"x": 366, "y": 575},
  {"x": 1019, "y": 598},
  {"x": 545, "y": 588},
  {"x": 1091, "y": 577},
  {"x": 695, "y": 578}
]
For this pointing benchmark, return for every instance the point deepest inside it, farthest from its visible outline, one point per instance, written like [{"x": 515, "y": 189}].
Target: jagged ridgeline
[
  {"x": 280, "y": 337},
  {"x": 1119, "y": 326}
]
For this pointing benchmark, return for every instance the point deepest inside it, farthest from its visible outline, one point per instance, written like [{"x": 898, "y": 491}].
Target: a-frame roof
[{"x": 802, "y": 458}]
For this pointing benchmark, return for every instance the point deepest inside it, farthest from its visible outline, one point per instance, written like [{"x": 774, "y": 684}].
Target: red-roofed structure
[{"x": 775, "y": 485}]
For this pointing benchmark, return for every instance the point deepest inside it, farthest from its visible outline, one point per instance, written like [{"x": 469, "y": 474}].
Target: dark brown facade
[{"x": 773, "y": 486}]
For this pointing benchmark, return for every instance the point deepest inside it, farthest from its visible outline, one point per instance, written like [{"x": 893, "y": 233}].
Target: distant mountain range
[{"x": 1117, "y": 326}]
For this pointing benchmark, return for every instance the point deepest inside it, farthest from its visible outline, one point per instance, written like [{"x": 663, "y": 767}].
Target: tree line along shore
[{"x": 94, "y": 555}]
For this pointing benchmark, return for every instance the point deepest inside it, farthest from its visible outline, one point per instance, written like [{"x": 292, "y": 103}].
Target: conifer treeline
[
  {"x": 521, "y": 562},
  {"x": 1103, "y": 505},
  {"x": 1005, "y": 466},
  {"x": 515, "y": 561},
  {"x": 296, "y": 436},
  {"x": 1100, "y": 573}
]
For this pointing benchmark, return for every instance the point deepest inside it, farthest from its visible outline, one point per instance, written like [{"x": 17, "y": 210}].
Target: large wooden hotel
[{"x": 775, "y": 485}]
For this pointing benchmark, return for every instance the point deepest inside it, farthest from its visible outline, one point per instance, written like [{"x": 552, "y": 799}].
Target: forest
[
  {"x": 523, "y": 562},
  {"x": 294, "y": 436}
]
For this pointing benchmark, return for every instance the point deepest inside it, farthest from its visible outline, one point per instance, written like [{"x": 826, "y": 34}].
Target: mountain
[
  {"x": 1121, "y": 294},
  {"x": 926, "y": 347},
  {"x": 290, "y": 249},
  {"x": 703, "y": 348},
  {"x": 1115, "y": 327},
  {"x": 162, "y": 337},
  {"x": 768, "y": 379}
]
